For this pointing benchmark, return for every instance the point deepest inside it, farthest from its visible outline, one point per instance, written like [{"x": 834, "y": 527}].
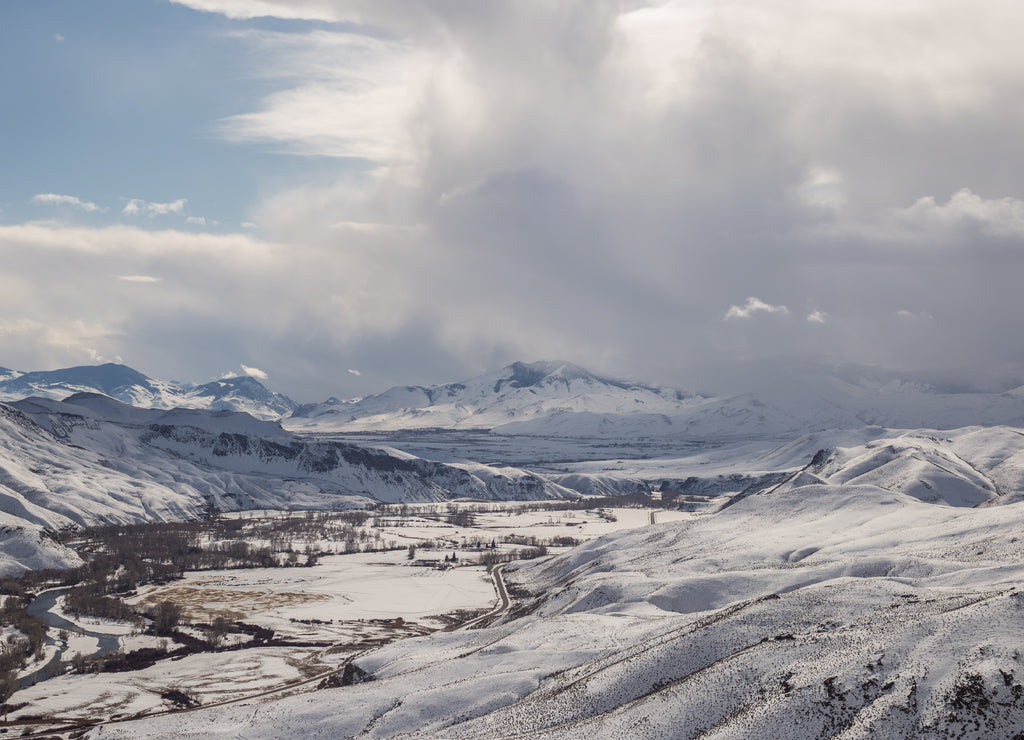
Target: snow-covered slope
[
  {"x": 818, "y": 611},
  {"x": 25, "y": 546},
  {"x": 520, "y": 392},
  {"x": 91, "y": 459},
  {"x": 132, "y": 387},
  {"x": 558, "y": 399}
]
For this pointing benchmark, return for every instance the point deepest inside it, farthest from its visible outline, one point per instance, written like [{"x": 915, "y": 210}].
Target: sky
[{"x": 338, "y": 196}]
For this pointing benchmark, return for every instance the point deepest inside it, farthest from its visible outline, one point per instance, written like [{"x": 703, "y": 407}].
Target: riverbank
[{"x": 89, "y": 640}]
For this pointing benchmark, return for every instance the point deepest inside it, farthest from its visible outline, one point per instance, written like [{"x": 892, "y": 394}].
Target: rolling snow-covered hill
[
  {"x": 132, "y": 387},
  {"x": 974, "y": 466},
  {"x": 967, "y": 467}
]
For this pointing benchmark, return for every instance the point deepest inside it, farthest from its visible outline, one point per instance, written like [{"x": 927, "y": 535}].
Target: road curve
[{"x": 498, "y": 579}]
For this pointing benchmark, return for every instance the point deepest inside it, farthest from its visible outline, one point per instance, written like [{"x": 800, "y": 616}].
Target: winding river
[{"x": 42, "y": 607}]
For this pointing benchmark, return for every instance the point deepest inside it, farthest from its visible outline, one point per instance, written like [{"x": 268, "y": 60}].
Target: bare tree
[
  {"x": 8, "y": 685},
  {"x": 165, "y": 616}
]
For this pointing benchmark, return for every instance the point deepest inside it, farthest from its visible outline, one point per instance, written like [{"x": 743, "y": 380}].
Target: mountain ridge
[
  {"x": 560, "y": 399},
  {"x": 518, "y": 391},
  {"x": 127, "y": 385}
]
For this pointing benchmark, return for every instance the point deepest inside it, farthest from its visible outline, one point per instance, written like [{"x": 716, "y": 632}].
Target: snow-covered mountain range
[
  {"x": 854, "y": 568},
  {"x": 518, "y": 393},
  {"x": 242, "y": 393},
  {"x": 91, "y": 459},
  {"x": 560, "y": 399}
]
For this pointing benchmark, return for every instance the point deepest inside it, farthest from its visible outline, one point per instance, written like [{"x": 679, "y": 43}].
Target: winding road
[{"x": 498, "y": 579}]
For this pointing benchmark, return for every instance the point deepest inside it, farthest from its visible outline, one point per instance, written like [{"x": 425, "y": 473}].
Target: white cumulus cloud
[
  {"x": 138, "y": 206},
  {"x": 254, "y": 372},
  {"x": 753, "y": 306}
]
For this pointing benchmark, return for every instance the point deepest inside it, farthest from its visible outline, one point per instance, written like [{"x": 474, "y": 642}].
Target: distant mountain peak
[
  {"x": 107, "y": 378},
  {"x": 521, "y": 391},
  {"x": 525, "y": 375},
  {"x": 129, "y": 386}
]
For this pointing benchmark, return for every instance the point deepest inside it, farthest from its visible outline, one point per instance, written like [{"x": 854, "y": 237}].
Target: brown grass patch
[{"x": 206, "y": 603}]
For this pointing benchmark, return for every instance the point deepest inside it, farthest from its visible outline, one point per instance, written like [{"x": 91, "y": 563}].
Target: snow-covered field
[
  {"x": 343, "y": 606},
  {"x": 212, "y": 677},
  {"x": 509, "y": 519},
  {"x": 341, "y": 592},
  {"x": 809, "y": 611}
]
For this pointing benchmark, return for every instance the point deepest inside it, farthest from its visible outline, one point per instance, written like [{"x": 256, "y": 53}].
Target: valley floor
[
  {"x": 806, "y": 611},
  {"x": 344, "y": 606}
]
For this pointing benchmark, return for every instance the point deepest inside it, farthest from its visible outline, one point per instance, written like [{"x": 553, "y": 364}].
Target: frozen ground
[
  {"x": 809, "y": 611},
  {"x": 876, "y": 592},
  {"x": 343, "y": 606},
  {"x": 343, "y": 591},
  {"x": 208, "y": 677}
]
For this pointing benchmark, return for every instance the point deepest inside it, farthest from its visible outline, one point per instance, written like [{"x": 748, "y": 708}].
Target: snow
[
  {"x": 25, "y": 546},
  {"x": 94, "y": 624},
  {"x": 210, "y": 677},
  {"x": 855, "y": 569},
  {"x": 89, "y": 460},
  {"x": 562, "y": 400},
  {"x": 341, "y": 590},
  {"x": 518, "y": 392},
  {"x": 132, "y": 387},
  {"x": 84, "y": 644},
  {"x": 751, "y": 620}
]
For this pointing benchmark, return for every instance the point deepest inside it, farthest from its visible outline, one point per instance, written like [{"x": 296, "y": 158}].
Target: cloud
[
  {"x": 58, "y": 37},
  {"x": 605, "y": 189},
  {"x": 312, "y": 10},
  {"x": 196, "y": 220},
  {"x": 822, "y": 186},
  {"x": 912, "y": 315},
  {"x": 965, "y": 209},
  {"x": 53, "y": 341},
  {"x": 254, "y": 372},
  {"x": 96, "y": 357},
  {"x": 754, "y": 306},
  {"x": 354, "y": 372},
  {"x": 585, "y": 179},
  {"x": 138, "y": 278},
  {"x": 53, "y": 199},
  {"x": 404, "y": 15},
  {"x": 136, "y": 206},
  {"x": 351, "y": 96}
]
